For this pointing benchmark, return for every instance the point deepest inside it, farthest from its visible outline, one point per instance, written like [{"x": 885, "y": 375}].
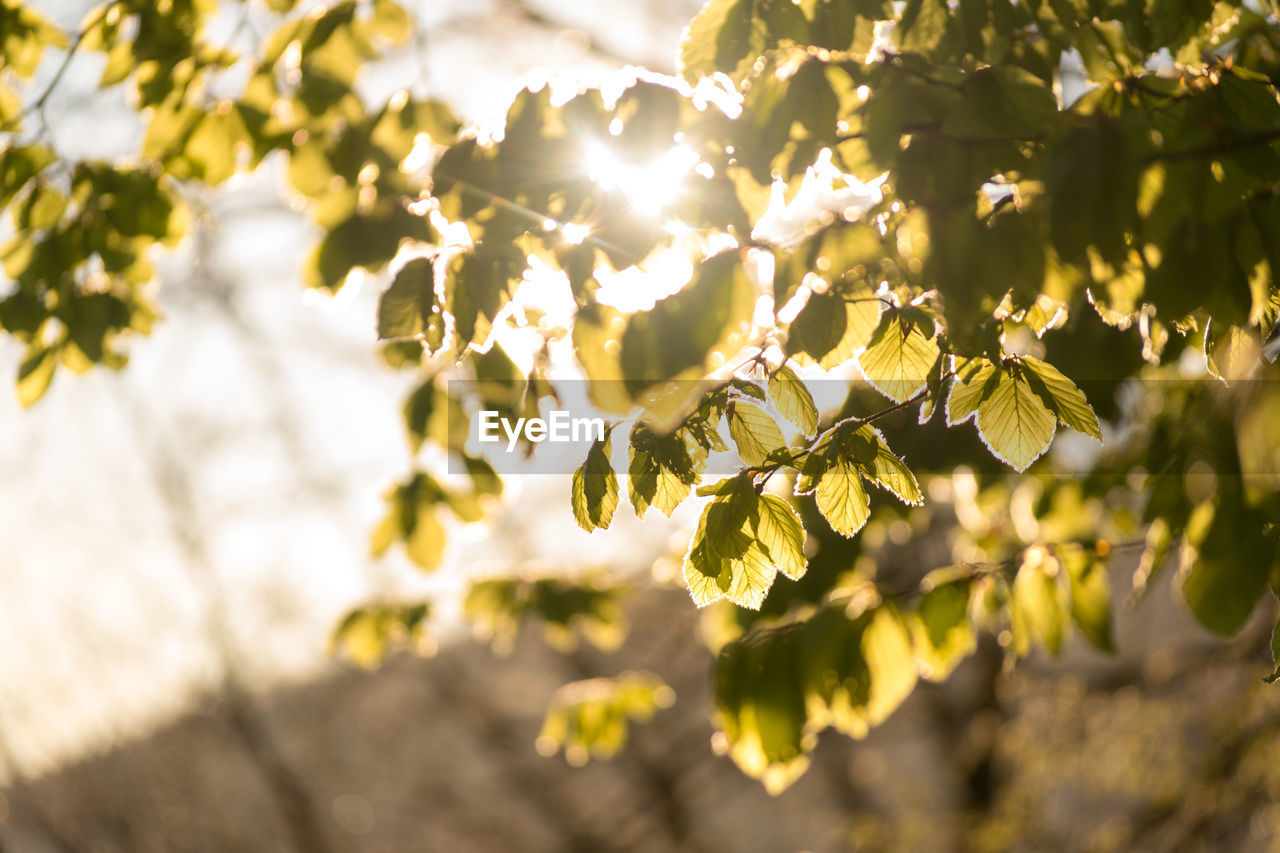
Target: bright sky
[{"x": 231, "y": 474}]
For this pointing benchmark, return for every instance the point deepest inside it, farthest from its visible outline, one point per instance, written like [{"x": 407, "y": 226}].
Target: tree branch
[
  {"x": 527, "y": 212},
  {"x": 39, "y": 103},
  {"x": 289, "y": 792},
  {"x": 825, "y": 436},
  {"x": 1239, "y": 142}
]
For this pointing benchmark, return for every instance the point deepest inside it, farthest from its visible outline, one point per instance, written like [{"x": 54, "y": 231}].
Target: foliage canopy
[{"x": 989, "y": 208}]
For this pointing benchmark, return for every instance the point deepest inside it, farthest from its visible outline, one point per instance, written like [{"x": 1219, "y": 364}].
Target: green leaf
[
  {"x": 760, "y": 707},
  {"x": 682, "y": 334},
  {"x": 21, "y": 314},
  {"x": 412, "y": 517},
  {"x": 1230, "y": 352},
  {"x": 1013, "y": 420},
  {"x": 749, "y": 389},
  {"x": 1062, "y": 396},
  {"x": 1092, "y": 186},
  {"x": 586, "y": 605},
  {"x": 725, "y": 558},
  {"x": 830, "y": 330},
  {"x": 425, "y": 541},
  {"x": 1275, "y": 655},
  {"x": 742, "y": 541},
  {"x": 841, "y": 498},
  {"x": 728, "y": 35},
  {"x": 726, "y": 486},
  {"x": 391, "y": 21},
  {"x": 480, "y": 285},
  {"x": 120, "y": 62},
  {"x": 858, "y": 668},
  {"x": 751, "y": 577},
  {"x": 42, "y": 208},
  {"x": 591, "y": 718},
  {"x": 10, "y": 108},
  {"x": 661, "y": 472},
  {"x": 1105, "y": 51},
  {"x": 484, "y": 479},
  {"x": 18, "y": 165},
  {"x": 407, "y": 308},
  {"x": 781, "y": 533},
  {"x": 943, "y": 631},
  {"x": 397, "y": 130},
  {"x": 922, "y": 26},
  {"x": 366, "y": 635},
  {"x": 35, "y": 374},
  {"x": 1039, "y": 606},
  {"x": 776, "y": 688},
  {"x": 1002, "y": 102},
  {"x": 890, "y": 656},
  {"x": 790, "y": 113},
  {"x": 754, "y": 432},
  {"x": 419, "y": 406},
  {"x": 362, "y": 240},
  {"x": 595, "y": 487},
  {"x": 975, "y": 380},
  {"x": 431, "y": 412},
  {"x": 1232, "y": 560},
  {"x": 900, "y": 356},
  {"x": 649, "y": 115},
  {"x": 792, "y": 399},
  {"x": 1090, "y": 598},
  {"x": 882, "y": 466}
]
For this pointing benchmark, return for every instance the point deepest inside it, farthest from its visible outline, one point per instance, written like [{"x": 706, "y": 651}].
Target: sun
[{"x": 649, "y": 187}]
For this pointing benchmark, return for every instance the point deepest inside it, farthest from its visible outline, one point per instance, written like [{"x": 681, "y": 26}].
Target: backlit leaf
[
  {"x": 883, "y": 467},
  {"x": 35, "y": 374},
  {"x": 406, "y": 308},
  {"x": 1090, "y": 598},
  {"x": 728, "y": 35},
  {"x": 830, "y": 330},
  {"x": 366, "y": 635},
  {"x": 841, "y": 498},
  {"x": 595, "y": 487},
  {"x": 780, "y": 532},
  {"x": 1062, "y": 396},
  {"x": 944, "y": 634},
  {"x": 661, "y": 472},
  {"x": 754, "y": 432},
  {"x": 742, "y": 541},
  {"x": 792, "y": 399},
  {"x": 1039, "y": 605},
  {"x": 899, "y": 357},
  {"x": 1013, "y": 420},
  {"x": 591, "y": 718},
  {"x": 392, "y": 21},
  {"x": 1275, "y": 655},
  {"x": 679, "y": 336},
  {"x": 1233, "y": 558},
  {"x": 975, "y": 380}
]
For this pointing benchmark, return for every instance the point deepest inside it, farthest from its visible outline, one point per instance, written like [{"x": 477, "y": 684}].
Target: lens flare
[{"x": 649, "y": 187}]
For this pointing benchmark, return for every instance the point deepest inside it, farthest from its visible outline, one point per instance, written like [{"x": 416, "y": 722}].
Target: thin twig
[
  {"x": 527, "y": 212},
  {"x": 1247, "y": 141},
  {"x": 39, "y": 103},
  {"x": 769, "y": 469}
]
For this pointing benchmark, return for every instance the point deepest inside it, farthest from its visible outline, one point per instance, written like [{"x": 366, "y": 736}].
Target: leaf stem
[{"x": 771, "y": 468}]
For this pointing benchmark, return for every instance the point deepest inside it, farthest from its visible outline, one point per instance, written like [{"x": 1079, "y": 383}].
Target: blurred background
[{"x": 179, "y": 539}]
